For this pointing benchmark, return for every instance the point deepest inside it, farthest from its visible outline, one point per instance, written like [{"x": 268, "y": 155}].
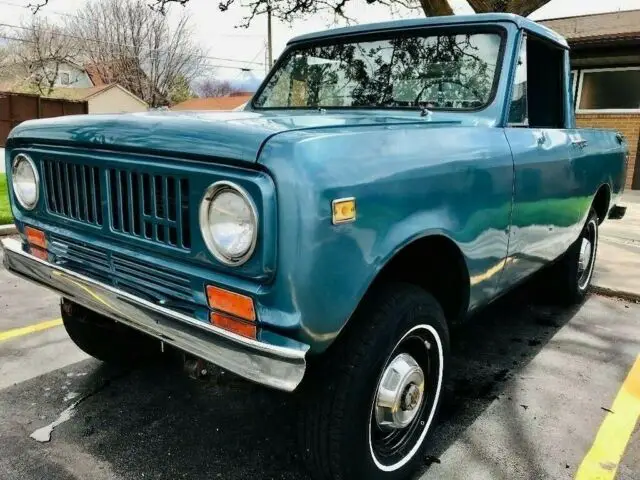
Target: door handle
[
  {"x": 579, "y": 143},
  {"x": 541, "y": 139}
]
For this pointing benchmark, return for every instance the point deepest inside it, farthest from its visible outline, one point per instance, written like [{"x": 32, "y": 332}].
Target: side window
[
  {"x": 518, "y": 109},
  {"x": 545, "y": 84}
]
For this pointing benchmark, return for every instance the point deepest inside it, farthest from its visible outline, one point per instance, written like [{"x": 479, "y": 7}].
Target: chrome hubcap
[
  {"x": 400, "y": 393},
  {"x": 585, "y": 255}
]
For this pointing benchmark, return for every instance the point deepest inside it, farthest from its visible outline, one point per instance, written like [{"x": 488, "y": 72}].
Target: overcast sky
[{"x": 216, "y": 32}]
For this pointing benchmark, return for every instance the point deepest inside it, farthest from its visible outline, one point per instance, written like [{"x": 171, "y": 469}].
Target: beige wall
[{"x": 115, "y": 100}]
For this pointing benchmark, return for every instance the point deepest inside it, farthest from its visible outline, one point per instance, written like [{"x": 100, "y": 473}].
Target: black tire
[
  {"x": 340, "y": 432},
  {"x": 105, "y": 339},
  {"x": 569, "y": 278}
]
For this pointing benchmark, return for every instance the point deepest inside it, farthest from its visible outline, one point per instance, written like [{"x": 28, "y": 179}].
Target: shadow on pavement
[{"x": 157, "y": 423}]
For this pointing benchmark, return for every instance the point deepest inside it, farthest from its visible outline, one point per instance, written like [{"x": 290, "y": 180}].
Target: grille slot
[
  {"x": 148, "y": 280},
  {"x": 73, "y": 191},
  {"x": 154, "y": 207}
]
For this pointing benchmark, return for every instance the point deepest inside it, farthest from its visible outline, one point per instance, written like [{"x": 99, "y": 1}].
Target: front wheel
[
  {"x": 105, "y": 339},
  {"x": 372, "y": 401}
]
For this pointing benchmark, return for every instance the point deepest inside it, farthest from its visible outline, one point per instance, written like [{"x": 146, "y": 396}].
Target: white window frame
[
  {"x": 574, "y": 85},
  {"x": 601, "y": 110}
]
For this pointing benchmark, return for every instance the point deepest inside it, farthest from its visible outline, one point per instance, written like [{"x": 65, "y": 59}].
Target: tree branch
[{"x": 519, "y": 7}]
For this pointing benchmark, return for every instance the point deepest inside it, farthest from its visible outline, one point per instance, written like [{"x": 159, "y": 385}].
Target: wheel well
[
  {"x": 601, "y": 202},
  {"x": 436, "y": 264}
]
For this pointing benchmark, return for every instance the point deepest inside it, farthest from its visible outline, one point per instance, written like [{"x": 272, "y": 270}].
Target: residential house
[
  {"x": 69, "y": 74},
  {"x": 110, "y": 98},
  {"x": 605, "y": 80}
]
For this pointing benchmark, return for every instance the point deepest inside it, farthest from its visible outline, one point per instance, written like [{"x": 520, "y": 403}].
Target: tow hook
[{"x": 196, "y": 368}]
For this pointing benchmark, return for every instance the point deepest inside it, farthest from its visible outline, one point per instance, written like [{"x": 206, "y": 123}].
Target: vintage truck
[{"x": 384, "y": 182}]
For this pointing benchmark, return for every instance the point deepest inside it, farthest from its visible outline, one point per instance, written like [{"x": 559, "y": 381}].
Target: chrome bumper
[{"x": 270, "y": 365}]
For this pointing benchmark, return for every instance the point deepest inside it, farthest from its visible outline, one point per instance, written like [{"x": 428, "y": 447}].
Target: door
[{"x": 541, "y": 219}]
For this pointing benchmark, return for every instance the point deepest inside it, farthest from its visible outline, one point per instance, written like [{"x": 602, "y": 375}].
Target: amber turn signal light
[
  {"x": 237, "y": 326},
  {"x": 39, "y": 253},
  {"x": 237, "y": 305},
  {"x": 35, "y": 237}
]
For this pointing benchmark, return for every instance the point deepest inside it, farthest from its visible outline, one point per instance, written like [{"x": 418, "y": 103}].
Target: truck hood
[{"x": 232, "y": 136}]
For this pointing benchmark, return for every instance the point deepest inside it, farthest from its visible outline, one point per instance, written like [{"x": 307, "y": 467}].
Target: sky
[{"x": 218, "y": 35}]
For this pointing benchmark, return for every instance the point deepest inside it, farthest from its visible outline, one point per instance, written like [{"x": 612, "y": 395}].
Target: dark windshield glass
[{"x": 437, "y": 71}]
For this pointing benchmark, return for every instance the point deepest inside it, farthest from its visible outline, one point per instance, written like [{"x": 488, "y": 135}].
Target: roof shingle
[{"x": 212, "y": 103}]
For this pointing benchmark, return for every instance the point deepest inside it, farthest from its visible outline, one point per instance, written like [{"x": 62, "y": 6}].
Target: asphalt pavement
[{"x": 530, "y": 388}]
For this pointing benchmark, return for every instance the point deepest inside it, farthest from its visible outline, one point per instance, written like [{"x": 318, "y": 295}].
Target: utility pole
[{"x": 269, "y": 43}]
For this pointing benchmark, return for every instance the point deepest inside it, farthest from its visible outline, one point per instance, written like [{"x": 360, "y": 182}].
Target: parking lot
[{"x": 531, "y": 386}]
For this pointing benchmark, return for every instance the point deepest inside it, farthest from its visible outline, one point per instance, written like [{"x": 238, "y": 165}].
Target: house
[
  {"x": 605, "y": 76},
  {"x": 15, "y": 75},
  {"x": 104, "y": 99},
  {"x": 69, "y": 74},
  {"x": 231, "y": 102},
  {"x": 126, "y": 72}
]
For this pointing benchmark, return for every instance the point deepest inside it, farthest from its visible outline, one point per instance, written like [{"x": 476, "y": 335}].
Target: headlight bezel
[
  {"x": 209, "y": 196},
  {"x": 36, "y": 175}
]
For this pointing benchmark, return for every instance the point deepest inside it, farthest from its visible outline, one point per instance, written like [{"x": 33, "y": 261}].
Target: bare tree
[
  {"x": 125, "y": 41},
  {"x": 290, "y": 10},
  {"x": 37, "y": 51},
  {"x": 211, "y": 87}
]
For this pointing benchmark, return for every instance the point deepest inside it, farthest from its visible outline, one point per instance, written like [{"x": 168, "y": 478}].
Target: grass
[{"x": 5, "y": 209}]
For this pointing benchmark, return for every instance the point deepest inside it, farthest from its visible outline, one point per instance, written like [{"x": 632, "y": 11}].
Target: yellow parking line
[
  {"x": 18, "y": 332},
  {"x": 601, "y": 463}
]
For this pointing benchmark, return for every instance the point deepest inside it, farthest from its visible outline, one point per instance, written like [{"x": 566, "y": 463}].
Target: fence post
[{"x": 11, "y": 125}]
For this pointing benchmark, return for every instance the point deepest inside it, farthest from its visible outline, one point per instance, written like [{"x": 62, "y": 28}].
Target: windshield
[{"x": 450, "y": 71}]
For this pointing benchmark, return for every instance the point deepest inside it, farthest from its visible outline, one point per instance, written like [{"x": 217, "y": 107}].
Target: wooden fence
[{"x": 18, "y": 107}]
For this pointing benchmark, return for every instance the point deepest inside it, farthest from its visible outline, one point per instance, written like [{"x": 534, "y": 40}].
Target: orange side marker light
[
  {"x": 239, "y": 327},
  {"x": 234, "y": 303},
  {"x": 35, "y": 237}
]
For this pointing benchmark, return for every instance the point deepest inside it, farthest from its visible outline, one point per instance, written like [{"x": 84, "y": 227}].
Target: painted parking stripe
[
  {"x": 19, "y": 332},
  {"x": 601, "y": 463}
]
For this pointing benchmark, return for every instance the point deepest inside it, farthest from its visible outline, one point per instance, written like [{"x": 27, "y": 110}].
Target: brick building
[{"x": 605, "y": 63}]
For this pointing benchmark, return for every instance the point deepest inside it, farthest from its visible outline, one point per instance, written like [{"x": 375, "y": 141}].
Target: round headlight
[
  {"x": 25, "y": 181},
  {"x": 228, "y": 222}
]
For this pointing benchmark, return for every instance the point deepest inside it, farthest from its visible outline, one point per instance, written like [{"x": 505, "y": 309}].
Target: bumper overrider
[{"x": 271, "y": 365}]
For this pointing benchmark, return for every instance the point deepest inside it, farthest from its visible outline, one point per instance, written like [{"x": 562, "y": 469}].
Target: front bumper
[{"x": 270, "y": 365}]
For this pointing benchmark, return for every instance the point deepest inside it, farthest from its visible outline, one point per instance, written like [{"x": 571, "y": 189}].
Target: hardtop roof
[{"x": 480, "y": 18}]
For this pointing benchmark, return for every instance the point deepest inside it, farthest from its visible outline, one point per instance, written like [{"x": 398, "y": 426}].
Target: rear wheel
[
  {"x": 571, "y": 276},
  {"x": 371, "y": 403},
  {"x": 105, "y": 339}
]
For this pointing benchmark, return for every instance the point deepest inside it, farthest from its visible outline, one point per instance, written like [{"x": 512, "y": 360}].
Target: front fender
[{"x": 408, "y": 182}]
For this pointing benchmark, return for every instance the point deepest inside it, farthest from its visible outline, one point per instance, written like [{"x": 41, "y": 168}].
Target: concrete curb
[
  {"x": 615, "y": 293},
  {"x": 8, "y": 230}
]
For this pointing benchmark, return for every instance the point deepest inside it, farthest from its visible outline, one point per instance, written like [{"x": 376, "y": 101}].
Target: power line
[
  {"x": 124, "y": 45},
  {"x": 209, "y": 65},
  {"x": 255, "y": 56}
]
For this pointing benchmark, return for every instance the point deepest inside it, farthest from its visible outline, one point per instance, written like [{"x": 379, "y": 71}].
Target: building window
[
  {"x": 64, "y": 78},
  {"x": 616, "y": 89}
]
